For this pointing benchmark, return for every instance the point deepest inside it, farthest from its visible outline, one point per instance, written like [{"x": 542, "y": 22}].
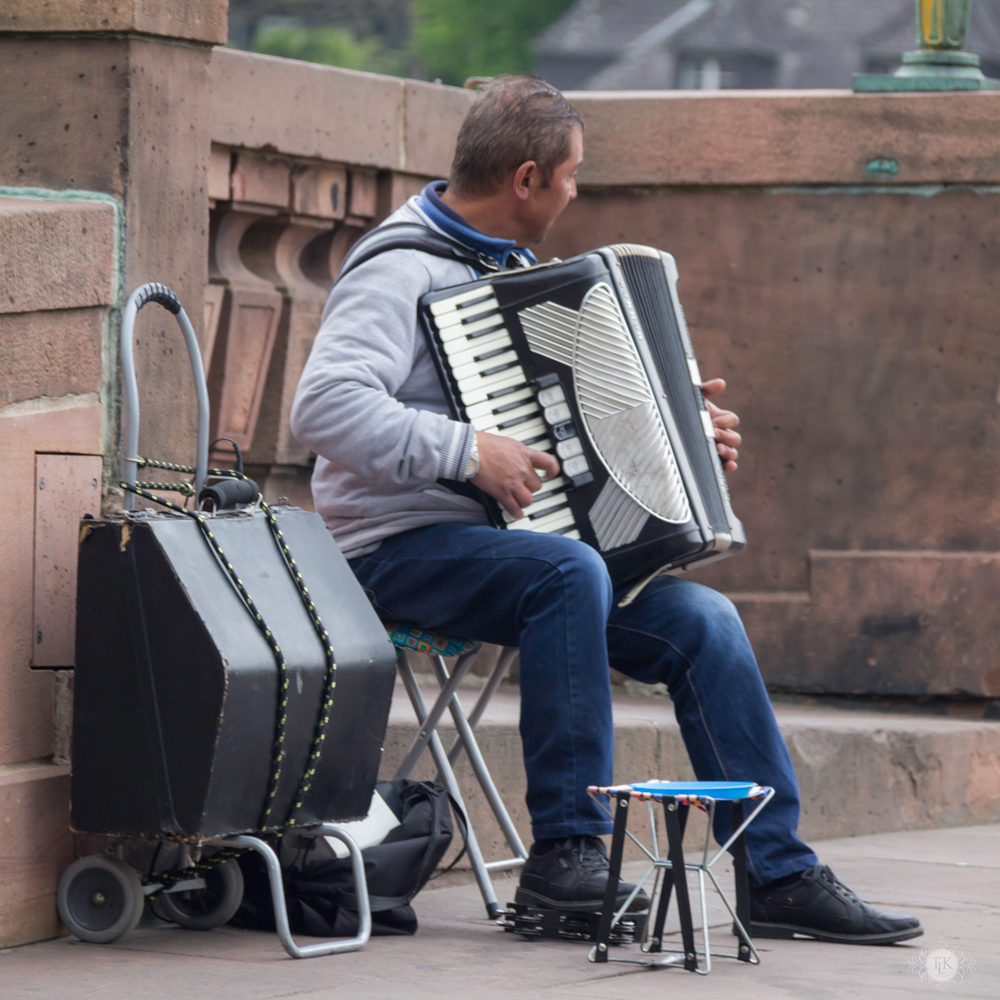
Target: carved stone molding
[{"x": 242, "y": 340}]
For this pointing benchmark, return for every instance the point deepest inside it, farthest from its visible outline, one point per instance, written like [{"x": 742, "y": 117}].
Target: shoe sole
[
  {"x": 528, "y": 898},
  {"x": 786, "y": 931}
]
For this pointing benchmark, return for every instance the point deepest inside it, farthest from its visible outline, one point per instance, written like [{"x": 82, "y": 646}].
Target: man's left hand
[{"x": 725, "y": 423}]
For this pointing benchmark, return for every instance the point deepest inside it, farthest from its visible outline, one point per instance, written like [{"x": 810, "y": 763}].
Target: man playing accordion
[{"x": 371, "y": 405}]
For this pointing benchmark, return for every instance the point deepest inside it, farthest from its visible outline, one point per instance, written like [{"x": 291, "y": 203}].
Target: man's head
[{"x": 520, "y": 144}]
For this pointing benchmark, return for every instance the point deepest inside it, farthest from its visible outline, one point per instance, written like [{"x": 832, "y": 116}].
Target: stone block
[
  {"x": 434, "y": 114},
  {"x": 859, "y": 772},
  {"x": 910, "y": 623},
  {"x": 74, "y": 244},
  {"x": 193, "y": 20},
  {"x": 782, "y": 137},
  {"x": 320, "y": 191},
  {"x": 35, "y": 849},
  {"x": 54, "y": 353},
  {"x": 27, "y": 429},
  {"x": 869, "y": 412},
  {"x": 261, "y": 180},
  {"x": 219, "y": 167},
  {"x": 364, "y": 195},
  {"x": 303, "y": 109}
]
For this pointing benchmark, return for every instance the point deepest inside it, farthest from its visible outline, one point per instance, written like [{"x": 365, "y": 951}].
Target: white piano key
[
  {"x": 525, "y": 431},
  {"x": 490, "y": 405},
  {"x": 498, "y": 380},
  {"x": 552, "y": 395},
  {"x": 576, "y": 466},
  {"x": 558, "y": 414},
  {"x": 695, "y": 372},
  {"x": 571, "y": 534},
  {"x": 462, "y": 372},
  {"x": 480, "y": 394},
  {"x": 558, "y": 499},
  {"x": 551, "y": 522},
  {"x": 550, "y": 484},
  {"x": 569, "y": 448},
  {"x": 460, "y": 351},
  {"x": 488, "y": 422},
  {"x": 460, "y": 330},
  {"x": 452, "y": 303}
]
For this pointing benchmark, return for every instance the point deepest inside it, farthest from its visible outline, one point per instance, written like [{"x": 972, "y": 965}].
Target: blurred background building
[{"x": 605, "y": 44}]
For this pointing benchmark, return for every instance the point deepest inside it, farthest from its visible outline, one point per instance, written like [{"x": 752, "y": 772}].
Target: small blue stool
[{"x": 671, "y": 872}]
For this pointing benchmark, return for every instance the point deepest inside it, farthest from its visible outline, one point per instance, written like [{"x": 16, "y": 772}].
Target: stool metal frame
[
  {"x": 671, "y": 873},
  {"x": 465, "y": 741}
]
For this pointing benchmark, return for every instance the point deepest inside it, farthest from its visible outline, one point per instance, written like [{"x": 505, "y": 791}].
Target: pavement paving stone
[{"x": 458, "y": 953}]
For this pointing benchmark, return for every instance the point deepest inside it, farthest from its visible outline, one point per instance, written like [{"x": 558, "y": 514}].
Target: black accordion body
[{"x": 590, "y": 358}]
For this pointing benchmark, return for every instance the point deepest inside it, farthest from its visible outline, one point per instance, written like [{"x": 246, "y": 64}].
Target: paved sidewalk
[{"x": 949, "y": 878}]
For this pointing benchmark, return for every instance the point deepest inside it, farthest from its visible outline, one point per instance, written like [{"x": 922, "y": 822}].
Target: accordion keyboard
[{"x": 498, "y": 398}]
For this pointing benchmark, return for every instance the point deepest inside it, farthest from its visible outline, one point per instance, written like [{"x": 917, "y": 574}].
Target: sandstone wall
[{"x": 837, "y": 256}]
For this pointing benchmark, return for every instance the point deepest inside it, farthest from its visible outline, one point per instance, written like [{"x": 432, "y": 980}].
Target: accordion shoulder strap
[{"x": 412, "y": 236}]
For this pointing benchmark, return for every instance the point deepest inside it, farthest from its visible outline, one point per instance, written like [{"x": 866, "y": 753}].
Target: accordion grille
[{"x": 620, "y": 412}]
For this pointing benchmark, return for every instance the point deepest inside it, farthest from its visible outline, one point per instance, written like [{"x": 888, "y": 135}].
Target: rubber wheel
[
  {"x": 100, "y": 898},
  {"x": 203, "y": 909}
]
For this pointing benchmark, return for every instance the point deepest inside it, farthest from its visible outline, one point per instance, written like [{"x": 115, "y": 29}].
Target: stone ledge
[
  {"x": 778, "y": 137},
  {"x": 61, "y": 254},
  {"x": 193, "y": 20},
  {"x": 859, "y": 772}
]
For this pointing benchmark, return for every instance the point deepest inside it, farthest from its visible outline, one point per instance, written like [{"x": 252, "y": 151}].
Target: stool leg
[
  {"x": 656, "y": 941},
  {"x": 739, "y": 851},
  {"x": 447, "y": 776},
  {"x": 675, "y": 840},
  {"x": 467, "y": 740},
  {"x": 614, "y": 874}
]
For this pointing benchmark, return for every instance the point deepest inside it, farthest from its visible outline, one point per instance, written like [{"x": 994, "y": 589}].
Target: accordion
[{"x": 590, "y": 358}]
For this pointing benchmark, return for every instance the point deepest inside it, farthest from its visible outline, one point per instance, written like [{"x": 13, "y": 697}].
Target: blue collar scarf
[{"x": 453, "y": 225}]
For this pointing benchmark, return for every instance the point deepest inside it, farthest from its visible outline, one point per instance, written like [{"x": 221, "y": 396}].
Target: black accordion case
[
  {"x": 590, "y": 358},
  {"x": 175, "y": 688}
]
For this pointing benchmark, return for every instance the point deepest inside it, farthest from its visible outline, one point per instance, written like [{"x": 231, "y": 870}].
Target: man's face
[{"x": 547, "y": 203}]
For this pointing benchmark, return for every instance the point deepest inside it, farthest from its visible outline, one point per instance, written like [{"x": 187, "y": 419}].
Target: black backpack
[{"x": 320, "y": 895}]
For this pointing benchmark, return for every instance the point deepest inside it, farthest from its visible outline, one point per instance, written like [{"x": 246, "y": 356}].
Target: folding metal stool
[
  {"x": 409, "y": 638},
  {"x": 676, "y": 798}
]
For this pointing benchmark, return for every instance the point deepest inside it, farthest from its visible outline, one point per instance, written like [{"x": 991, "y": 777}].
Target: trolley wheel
[
  {"x": 203, "y": 909},
  {"x": 100, "y": 898}
]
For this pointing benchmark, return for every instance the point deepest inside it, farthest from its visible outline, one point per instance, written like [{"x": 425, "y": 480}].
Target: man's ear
[{"x": 525, "y": 177}]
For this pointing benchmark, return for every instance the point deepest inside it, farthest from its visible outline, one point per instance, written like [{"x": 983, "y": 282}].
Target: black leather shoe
[
  {"x": 818, "y": 905},
  {"x": 572, "y": 874}
]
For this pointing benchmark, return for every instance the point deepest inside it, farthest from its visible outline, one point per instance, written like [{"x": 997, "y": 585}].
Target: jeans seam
[
  {"x": 658, "y": 638},
  {"x": 701, "y": 714},
  {"x": 718, "y": 757}
]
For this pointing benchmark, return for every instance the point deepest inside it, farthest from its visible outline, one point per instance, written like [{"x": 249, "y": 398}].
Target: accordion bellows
[{"x": 590, "y": 358}]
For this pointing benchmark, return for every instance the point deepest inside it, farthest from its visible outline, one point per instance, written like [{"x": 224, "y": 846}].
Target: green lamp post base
[{"x": 928, "y": 70}]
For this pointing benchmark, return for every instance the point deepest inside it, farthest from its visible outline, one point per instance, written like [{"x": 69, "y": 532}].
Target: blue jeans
[{"x": 552, "y": 597}]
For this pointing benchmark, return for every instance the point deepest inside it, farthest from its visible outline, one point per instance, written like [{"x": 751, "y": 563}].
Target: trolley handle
[{"x": 155, "y": 292}]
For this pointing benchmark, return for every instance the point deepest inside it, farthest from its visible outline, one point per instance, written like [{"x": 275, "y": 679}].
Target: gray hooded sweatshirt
[{"x": 371, "y": 405}]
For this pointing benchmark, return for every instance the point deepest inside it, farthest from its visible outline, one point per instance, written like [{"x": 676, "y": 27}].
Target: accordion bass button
[
  {"x": 569, "y": 448},
  {"x": 575, "y": 466},
  {"x": 552, "y": 395},
  {"x": 558, "y": 413}
]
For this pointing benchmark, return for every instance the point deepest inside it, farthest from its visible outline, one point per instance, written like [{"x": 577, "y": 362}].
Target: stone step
[{"x": 860, "y": 772}]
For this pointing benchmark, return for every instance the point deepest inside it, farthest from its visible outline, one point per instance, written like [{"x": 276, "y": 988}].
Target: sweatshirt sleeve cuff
[{"x": 455, "y": 456}]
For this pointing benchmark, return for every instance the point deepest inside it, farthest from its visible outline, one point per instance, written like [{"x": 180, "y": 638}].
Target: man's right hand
[{"x": 507, "y": 471}]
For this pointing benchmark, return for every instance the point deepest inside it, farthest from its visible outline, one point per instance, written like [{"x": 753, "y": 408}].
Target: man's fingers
[
  {"x": 713, "y": 387},
  {"x": 723, "y": 418},
  {"x": 731, "y": 438},
  {"x": 510, "y": 505},
  {"x": 549, "y": 464}
]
